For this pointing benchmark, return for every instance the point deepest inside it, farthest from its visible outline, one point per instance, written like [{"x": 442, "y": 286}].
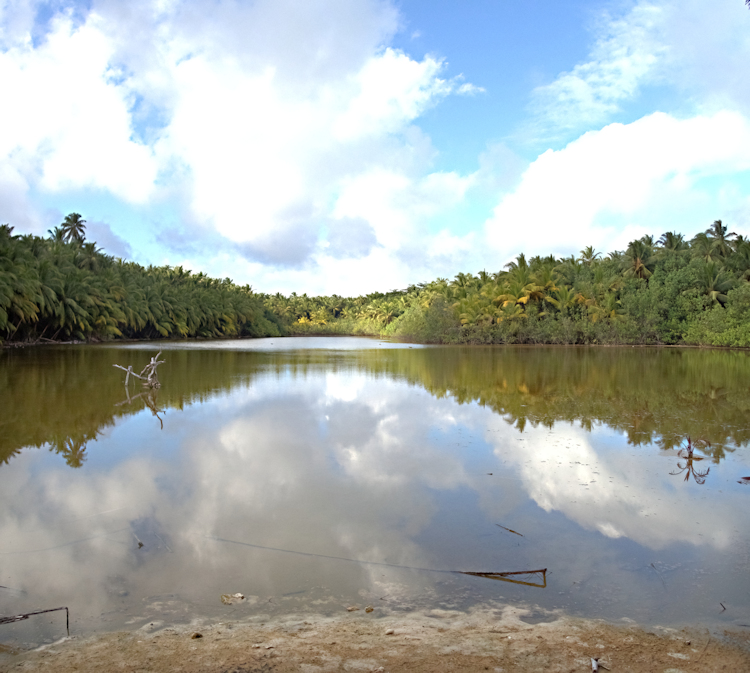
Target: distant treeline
[
  {"x": 63, "y": 288},
  {"x": 665, "y": 291}
]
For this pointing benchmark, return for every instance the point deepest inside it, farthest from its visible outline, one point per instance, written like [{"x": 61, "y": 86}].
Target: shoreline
[
  {"x": 4, "y": 345},
  {"x": 430, "y": 640}
]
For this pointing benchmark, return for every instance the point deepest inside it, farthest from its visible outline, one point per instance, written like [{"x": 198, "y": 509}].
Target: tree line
[
  {"x": 63, "y": 288},
  {"x": 658, "y": 291}
]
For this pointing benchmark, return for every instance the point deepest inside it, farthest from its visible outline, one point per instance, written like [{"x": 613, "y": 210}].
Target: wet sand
[{"x": 432, "y": 640}]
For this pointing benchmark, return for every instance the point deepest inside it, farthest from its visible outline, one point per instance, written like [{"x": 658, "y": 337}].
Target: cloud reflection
[
  {"x": 339, "y": 463},
  {"x": 616, "y": 490}
]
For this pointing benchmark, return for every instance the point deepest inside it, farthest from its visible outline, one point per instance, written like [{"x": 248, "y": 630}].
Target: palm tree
[
  {"x": 638, "y": 259},
  {"x": 671, "y": 240},
  {"x": 56, "y": 235},
  {"x": 89, "y": 257},
  {"x": 703, "y": 246},
  {"x": 716, "y": 282},
  {"x": 589, "y": 255},
  {"x": 609, "y": 308},
  {"x": 515, "y": 292},
  {"x": 721, "y": 239},
  {"x": 564, "y": 299},
  {"x": 73, "y": 228}
]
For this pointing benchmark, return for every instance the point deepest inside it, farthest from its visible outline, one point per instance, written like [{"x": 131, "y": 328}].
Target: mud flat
[{"x": 433, "y": 640}]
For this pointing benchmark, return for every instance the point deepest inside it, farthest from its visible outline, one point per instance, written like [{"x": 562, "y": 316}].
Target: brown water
[{"x": 314, "y": 474}]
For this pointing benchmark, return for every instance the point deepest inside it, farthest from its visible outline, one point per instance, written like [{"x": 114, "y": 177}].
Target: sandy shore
[{"x": 434, "y": 640}]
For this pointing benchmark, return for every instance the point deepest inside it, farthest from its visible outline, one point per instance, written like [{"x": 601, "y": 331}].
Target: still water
[{"x": 319, "y": 473}]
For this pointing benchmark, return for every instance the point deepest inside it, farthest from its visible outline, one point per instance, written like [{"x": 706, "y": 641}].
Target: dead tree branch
[{"x": 148, "y": 375}]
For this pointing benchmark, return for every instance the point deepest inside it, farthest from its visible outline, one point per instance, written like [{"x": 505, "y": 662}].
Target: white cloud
[
  {"x": 391, "y": 90},
  {"x": 696, "y": 50},
  {"x": 68, "y": 126},
  {"x": 622, "y": 58},
  {"x": 264, "y": 119},
  {"x": 613, "y": 185},
  {"x": 283, "y": 135},
  {"x": 468, "y": 89}
]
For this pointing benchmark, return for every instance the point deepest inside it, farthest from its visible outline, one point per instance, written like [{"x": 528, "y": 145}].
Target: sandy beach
[{"x": 433, "y": 640}]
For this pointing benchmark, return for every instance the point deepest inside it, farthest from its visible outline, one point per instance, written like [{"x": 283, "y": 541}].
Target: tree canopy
[
  {"x": 61, "y": 288},
  {"x": 664, "y": 290}
]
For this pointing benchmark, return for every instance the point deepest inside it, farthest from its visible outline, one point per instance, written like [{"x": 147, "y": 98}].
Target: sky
[{"x": 352, "y": 146}]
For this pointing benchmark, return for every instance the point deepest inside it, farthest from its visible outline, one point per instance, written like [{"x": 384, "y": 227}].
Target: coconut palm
[
  {"x": 589, "y": 255},
  {"x": 563, "y": 299},
  {"x": 671, "y": 240},
  {"x": 638, "y": 260},
  {"x": 720, "y": 238},
  {"x": 73, "y": 228},
  {"x": 716, "y": 282}
]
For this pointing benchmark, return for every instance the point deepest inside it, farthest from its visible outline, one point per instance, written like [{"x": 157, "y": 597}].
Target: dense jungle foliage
[
  {"x": 63, "y": 288},
  {"x": 665, "y": 291}
]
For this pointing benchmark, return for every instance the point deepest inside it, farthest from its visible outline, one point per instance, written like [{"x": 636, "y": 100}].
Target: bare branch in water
[
  {"x": 148, "y": 375},
  {"x": 20, "y": 618}
]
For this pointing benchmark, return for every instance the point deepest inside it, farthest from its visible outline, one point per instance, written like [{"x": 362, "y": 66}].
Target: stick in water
[{"x": 20, "y": 618}]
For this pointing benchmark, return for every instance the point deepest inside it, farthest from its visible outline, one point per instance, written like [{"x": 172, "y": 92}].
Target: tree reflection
[
  {"x": 688, "y": 468},
  {"x": 652, "y": 396},
  {"x": 73, "y": 449}
]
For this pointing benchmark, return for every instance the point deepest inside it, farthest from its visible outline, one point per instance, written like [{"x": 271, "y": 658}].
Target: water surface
[{"x": 315, "y": 474}]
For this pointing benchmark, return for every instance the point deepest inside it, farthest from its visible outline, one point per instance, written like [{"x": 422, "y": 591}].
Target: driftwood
[
  {"x": 19, "y": 618},
  {"x": 505, "y": 576},
  {"x": 148, "y": 375}
]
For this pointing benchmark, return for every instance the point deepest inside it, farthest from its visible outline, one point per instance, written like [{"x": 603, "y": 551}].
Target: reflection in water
[
  {"x": 651, "y": 395},
  {"x": 72, "y": 449},
  {"x": 20, "y": 618},
  {"x": 149, "y": 400},
  {"x": 688, "y": 467},
  {"x": 401, "y": 458},
  {"x": 515, "y": 577}
]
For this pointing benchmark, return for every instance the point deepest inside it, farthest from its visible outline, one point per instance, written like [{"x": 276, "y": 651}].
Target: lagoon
[{"x": 316, "y": 474}]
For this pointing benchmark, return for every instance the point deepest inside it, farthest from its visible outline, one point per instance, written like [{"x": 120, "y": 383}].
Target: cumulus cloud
[
  {"x": 15, "y": 208},
  {"x": 68, "y": 126},
  {"x": 350, "y": 237},
  {"x": 262, "y": 118},
  {"x": 697, "y": 51},
  {"x": 283, "y": 136},
  {"x": 613, "y": 185},
  {"x": 108, "y": 240},
  {"x": 625, "y": 55}
]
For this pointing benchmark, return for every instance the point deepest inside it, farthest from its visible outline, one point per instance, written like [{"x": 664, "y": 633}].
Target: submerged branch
[
  {"x": 503, "y": 576},
  {"x": 20, "y": 618}
]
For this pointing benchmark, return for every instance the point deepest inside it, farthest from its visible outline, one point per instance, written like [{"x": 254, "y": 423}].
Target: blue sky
[{"x": 347, "y": 146}]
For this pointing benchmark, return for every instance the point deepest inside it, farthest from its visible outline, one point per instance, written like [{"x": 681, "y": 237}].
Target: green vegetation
[
  {"x": 669, "y": 291},
  {"x": 62, "y": 288}
]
